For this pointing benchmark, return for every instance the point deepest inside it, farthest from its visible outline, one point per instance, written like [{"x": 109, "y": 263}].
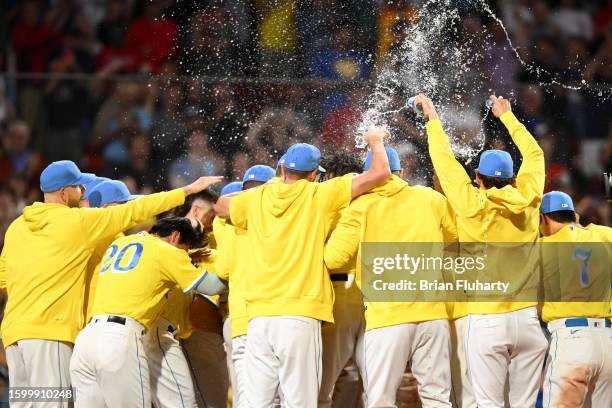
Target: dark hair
[
  {"x": 490, "y": 182},
  {"x": 342, "y": 162},
  {"x": 167, "y": 226},
  {"x": 564, "y": 217},
  {"x": 206, "y": 195}
]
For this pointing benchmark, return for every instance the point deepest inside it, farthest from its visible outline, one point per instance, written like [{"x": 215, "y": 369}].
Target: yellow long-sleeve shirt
[
  {"x": 45, "y": 258},
  {"x": 509, "y": 214},
  {"x": 394, "y": 212}
]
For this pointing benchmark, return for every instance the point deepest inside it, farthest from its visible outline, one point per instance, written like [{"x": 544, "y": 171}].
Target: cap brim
[{"x": 134, "y": 196}]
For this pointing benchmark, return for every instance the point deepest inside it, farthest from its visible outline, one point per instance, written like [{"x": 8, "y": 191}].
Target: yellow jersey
[
  {"x": 509, "y": 214},
  {"x": 287, "y": 226},
  {"x": 394, "y": 212},
  {"x": 45, "y": 256},
  {"x": 137, "y": 273},
  {"x": 576, "y": 264}
]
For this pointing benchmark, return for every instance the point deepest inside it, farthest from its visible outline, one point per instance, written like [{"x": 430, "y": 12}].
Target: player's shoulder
[{"x": 601, "y": 231}]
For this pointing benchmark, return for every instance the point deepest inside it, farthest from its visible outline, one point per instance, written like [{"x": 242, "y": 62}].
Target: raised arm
[
  {"x": 453, "y": 178},
  {"x": 101, "y": 223},
  {"x": 531, "y": 176},
  {"x": 379, "y": 171}
]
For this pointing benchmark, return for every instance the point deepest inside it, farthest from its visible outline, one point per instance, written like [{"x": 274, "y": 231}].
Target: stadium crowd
[{"x": 156, "y": 94}]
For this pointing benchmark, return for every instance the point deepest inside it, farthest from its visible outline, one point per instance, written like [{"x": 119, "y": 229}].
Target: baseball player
[
  {"x": 575, "y": 266},
  {"x": 233, "y": 265},
  {"x": 109, "y": 365},
  {"x": 44, "y": 309},
  {"x": 89, "y": 187},
  {"x": 169, "y": 371},
  {"x": 205, "y": 346},
  {"x": 288, "y": 291},
  {"x": 104, "y": 194},
  {"x": 503, "y": 340},
  {"x": 342, "y": 339},
  {"x": 398, "y": 332}
]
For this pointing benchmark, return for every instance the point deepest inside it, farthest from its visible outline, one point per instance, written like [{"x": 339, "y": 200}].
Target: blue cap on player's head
[
  {"x": 392, "y": 156},
  {"x": 232, "y": 187},
  {"x": 259, "y": 173},
  {"x": 281, "y": 161},
  {"x": 303, "y": 157},
  {"x": 111, "y": 191},
  {"x": 496, "y": 164},
  {"x": 556, "y": 201},
  {"x": 61, "y": 174},
  {"x": 91, "y": 185}
]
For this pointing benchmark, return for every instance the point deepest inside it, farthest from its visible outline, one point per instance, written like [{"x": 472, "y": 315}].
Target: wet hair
[
  {"x": 207, "y": 195},
  {"x": 188, "y": 234},
  {"x": 300, "y": 175},
  {"x": 564, "y": 217},
  {"x": 490, "y": 182},
  {"x": 251, "y": 184},
  {"x": 342, "y": 162}
]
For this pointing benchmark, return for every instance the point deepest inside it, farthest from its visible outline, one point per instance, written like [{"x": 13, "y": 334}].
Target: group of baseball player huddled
[{"x": 122, "y": 320}]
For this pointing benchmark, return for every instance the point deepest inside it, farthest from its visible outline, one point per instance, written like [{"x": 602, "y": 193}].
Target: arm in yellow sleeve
[
  {"x": 344, "y": 240},
  {"x": 454, "y": 180},
  {"x": 2, "y": 270},
  {"x": 447, "y": 221},
  {"x": 531, "y": 176},
  {"x": 101, "y": 223}
]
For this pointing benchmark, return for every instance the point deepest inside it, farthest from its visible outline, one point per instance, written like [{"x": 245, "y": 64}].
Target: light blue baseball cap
[
  {"x": 111, "y": 191},
  {"x": 91, "y": 185},
  {"x": 303, "y": 157},
  {"x": 392, "y": 156},
  {"x": 496, "y": 163},
  {"x": 258, "y": 172},
  {"x": 61, "y": 174},
  {"x": 232, "y": 187},
  {"x": 556, "y": 201}
]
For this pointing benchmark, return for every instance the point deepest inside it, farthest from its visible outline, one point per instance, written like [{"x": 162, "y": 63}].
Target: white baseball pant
[
  {"x": 505, "y": 347},
  {"x": 388, "y": 350},
  {"x": 462, "y": 394},
  {"x": 109, "y": 365},
  {"x": 579, "y": 365},
  {"x": 341, "y": 340},
  {"x": 39, "y": 363},
  {"x": 169, "y": 374},
  {"x": 238, "y": 361},
  {"x": 227, "y": 343},
  {"x": 283, "y": 355},
  {"x": 206, "y": 355}
]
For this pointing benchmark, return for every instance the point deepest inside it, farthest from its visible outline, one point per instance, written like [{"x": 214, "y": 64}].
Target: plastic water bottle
[
  {"x": 489, "y": 104},
  {"x": 412, "y": 105}
]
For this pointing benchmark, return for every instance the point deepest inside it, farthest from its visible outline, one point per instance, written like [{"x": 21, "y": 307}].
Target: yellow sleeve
[
  {"x": 239, "y": 207},
  {"x": 337, "y": 193},
  {"x": 448, "y": 223},
  {"x": 343, "y": 243},
  {"x": 177, "y": 267},
  {"x": 101, "y": 223},
  {"x": 531, "y": 176},
  {"x": 455, "y": 182},
  {"x": 223, "y": 264}
]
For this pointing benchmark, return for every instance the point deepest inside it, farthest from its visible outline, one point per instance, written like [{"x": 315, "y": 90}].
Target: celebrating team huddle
[{"x": 103, "y": 312}]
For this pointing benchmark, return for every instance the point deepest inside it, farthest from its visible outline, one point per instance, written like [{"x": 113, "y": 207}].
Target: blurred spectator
[
  {"x": 129, "y": 107},
  {"x": 198, "y": 161},
  {"x": 7, "y": 109},
  {"x": 138, "y": 168},
  {"x": 167, "y": 130},
  {"x": 210, "y": 50},
  {"x": 67, "y": 103},
  {"x": 33, "y": 38},
  {"x": 113, "y": 58},
  {"x": 230, "y": 122},
  {"x": 571, "y": 21},
  {"x": 8, "y": 210},
  {"x": 340, "y": 61},
  {"x": 16, "y": 157},
  {"x": 153, "y": 38},
  {"x": 339, "y": 127},
  {"x": 276, "y": 37},
  {"x": 393, "y": 18},
  {"x": 600, "y": 68},
  {"x": 501, "y": 60},
  {"x": 603, "y": 18}
]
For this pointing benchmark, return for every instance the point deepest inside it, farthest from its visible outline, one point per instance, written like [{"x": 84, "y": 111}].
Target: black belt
[
  {"x": 171, "y": 329},
  {"x": 116, "y": 319},
  {"x": 339, "y": 277}
]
